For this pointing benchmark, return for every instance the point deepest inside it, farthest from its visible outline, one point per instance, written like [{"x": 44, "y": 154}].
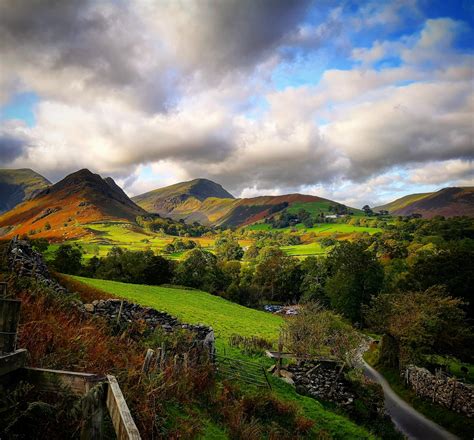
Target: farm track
[{"x": 409, "y": 421}]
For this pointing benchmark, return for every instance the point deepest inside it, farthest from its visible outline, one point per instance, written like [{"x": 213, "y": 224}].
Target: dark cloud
[{"x": 10, "y": 148}]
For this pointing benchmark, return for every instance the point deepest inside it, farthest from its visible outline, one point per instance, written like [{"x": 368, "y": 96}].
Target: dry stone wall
[
  {"x": 442, "y": 389},
  {"x": 322, "y": 379},
  {"x": 24, "y": 261}
]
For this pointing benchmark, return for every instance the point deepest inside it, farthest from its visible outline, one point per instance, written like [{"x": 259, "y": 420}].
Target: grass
[
  {"x": 304, "y": 250},
  {"x": 319, "y": 229},
  {"x": 107, "y": 235},
  {"x": 227, "y": 318},
  {"x": 315, "y": 208},
  {"x": 455, "y": 423},
  {"x": 195, "y": 306}
]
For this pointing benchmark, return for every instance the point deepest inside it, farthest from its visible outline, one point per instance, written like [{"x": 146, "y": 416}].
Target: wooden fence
[{"x": 12, "y": 369}]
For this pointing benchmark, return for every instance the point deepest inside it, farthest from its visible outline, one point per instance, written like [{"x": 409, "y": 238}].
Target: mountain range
[
  {"x": 61, "y": 211},
  {"x": 208, "y": 203}
]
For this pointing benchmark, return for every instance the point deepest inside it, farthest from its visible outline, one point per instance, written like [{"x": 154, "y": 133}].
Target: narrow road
[{"x": 408, "y": 421}]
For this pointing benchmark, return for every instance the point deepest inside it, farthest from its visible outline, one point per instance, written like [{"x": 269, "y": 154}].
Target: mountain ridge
[
  {"x": 214, "y": 210},
  {"x": 448, "y": 202},
  {"x": 18, "y": 185},
  {"x": 61, "y": 210}
]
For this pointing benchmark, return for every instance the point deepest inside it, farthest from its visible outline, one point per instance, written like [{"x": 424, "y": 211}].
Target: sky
[{"x": 357, "y": 101}]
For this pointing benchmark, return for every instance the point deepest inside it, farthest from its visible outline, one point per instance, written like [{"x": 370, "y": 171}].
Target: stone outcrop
[
  {"x": 444, "y": 390},
  {"x": 323, "y": 380},
  {"x": 24, "y": 261}
]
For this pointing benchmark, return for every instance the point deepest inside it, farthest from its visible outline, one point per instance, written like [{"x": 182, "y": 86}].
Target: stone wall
[
  {"x": 322, "y": 379},
  {"x": 442, "y": 389},
  {"x": 24, "y": 261}
]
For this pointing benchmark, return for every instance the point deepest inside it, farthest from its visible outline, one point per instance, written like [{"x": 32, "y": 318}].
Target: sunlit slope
[
  {"x": 208, "y": 203},
  {"x": 448, "y": 202},
  {"x": 61, "y": 211},
  {"x": 195, "y": 306}
]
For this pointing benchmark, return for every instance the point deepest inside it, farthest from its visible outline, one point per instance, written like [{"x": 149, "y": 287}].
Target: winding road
[{"x": 407, "y": 420}]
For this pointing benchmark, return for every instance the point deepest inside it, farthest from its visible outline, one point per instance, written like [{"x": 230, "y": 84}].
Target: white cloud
[{"x": 189, "y": 90}]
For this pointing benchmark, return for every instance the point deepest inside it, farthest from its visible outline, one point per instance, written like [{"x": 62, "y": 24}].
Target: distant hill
[
  {"x": 209, "y": 203},
  {"x": 187, "y": 200},
  {"x": 16, "y": 186},
  {"x": 448, "y": 202},
  {"x": 61, "y": 210}
]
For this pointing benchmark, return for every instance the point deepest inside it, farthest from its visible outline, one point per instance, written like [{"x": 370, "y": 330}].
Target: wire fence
[{"x": 248, "y": 372}]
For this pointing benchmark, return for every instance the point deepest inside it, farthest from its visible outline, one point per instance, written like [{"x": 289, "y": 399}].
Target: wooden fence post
[
  {"x": 147, "y": 361},
  {"x": 162, "y": 358},
  {"x": 9, "y": 317}
]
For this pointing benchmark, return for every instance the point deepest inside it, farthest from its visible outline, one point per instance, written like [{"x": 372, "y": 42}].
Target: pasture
[
  {"x": 304, "y": 250},
  {"x": 322, "y": 229},
  {"x": 195, "y": 306},
  {"x": 227, "y": 318}
]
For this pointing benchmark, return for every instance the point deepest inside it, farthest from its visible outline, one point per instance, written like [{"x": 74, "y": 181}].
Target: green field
[
  {"x": 316, "y": 208},
  {"x": 195, "y": 306},
  {"x": 131, "y": 237},
  {"x": 323, "y": 228},
  {"x": 304, "y": 250},
  {"x": 227, "y": 318}
]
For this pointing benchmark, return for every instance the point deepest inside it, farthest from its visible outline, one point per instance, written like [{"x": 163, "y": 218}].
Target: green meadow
[
  {"x": 195, "y": 306},
  {"x": 323, "y": 228},
  {"x": 227, "y": 318},
  {"x": 316, "y": 208},
  {"x": 104, "y": 236},
  {"x": 304, "y": 250}
]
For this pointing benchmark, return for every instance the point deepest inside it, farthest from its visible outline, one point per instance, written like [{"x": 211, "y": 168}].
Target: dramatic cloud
[{"x": 262, "y": 96}]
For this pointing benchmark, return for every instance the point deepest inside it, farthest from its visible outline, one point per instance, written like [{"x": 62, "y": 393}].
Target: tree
[
  {"x": 355, "y": 275},
  {"x": 317, "y": 331},
  {"x": 367, "y": 210},
  {"x": 313, "y": 280},
  {"x": 40, "y": 244},
  {"x": 252, "y": 252},
  {"x": 418, "y": 324},
  {"x": 276, "y": 275},
  {"x": 452, "y": 266},
  {"x": 227, "y": 248},
  {"x": 68, "y": 259},
  {"x": 158, "y": 270},
  {"x": 199, "y": 269}
]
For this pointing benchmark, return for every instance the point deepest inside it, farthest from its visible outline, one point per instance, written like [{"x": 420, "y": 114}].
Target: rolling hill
[
  {"x": 208, "y": 203},
  {"x": 448, "y": 202},
  {"x": 61, "y": 211},
  {"x": 186, "y": 200},
  {"x": 16, "y": 186}
]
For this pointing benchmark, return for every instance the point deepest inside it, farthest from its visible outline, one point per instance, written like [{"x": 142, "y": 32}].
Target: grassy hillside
[
  {"x": 402, "y": 202},
  {"x": 448, "y": 202},
  {"x": 60, "y": 212},
  {"x": 16, "y": 186},
  {"x": 322, "y": 229},
  {"x": 227, "y": 318},
  {"x": 316, "y": 208},
  {"x": 208, "y": 203},
  {"x": 183, "y": 200},
  {"x": 195, "y": 306}
]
